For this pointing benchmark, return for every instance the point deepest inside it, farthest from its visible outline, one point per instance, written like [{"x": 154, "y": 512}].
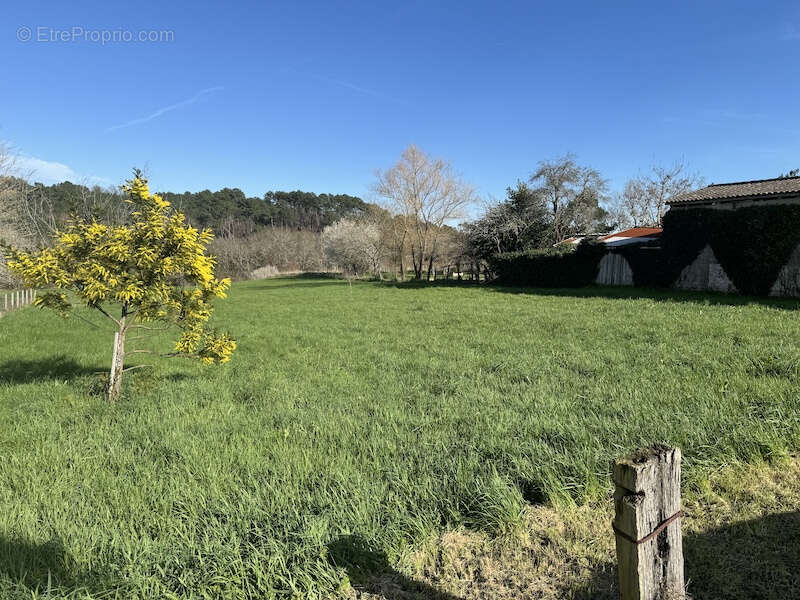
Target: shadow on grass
[
  {"x": 369, "y": 571},
  {"x": 301, "y": 280},
  {"x": 616, "y": 293},
  {"x": 759, "y": 558},
  {"x": 301, "y": 284},
  {"x": 54, "y": 368},
  {"x": 47, "y": 568}
]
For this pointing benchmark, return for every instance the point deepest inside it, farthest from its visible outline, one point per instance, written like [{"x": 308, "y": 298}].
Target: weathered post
[{"x": 647, "y": 504}]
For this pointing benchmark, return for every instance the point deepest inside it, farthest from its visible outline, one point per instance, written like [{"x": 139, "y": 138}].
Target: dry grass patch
[{"x": 741, "y": 540}]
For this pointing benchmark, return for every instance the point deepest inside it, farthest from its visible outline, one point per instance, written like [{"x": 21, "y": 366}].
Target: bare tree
[
  {"x": 278, "y": 247},
  {"x": 573, "y": 193},
  {"x": 355, "y": 247},
  {"x": 631, "y": 204},
  {"x": 425, "y": 193},
  {"x": 395, "y": 234},
  {"x": 645, "y": 197},
  {"x": 8, "y": 230}
]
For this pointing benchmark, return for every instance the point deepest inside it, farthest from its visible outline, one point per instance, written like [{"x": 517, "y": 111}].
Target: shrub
[
  {"x": 562, "y": 266},
  {"x": 264, "y": 272}
]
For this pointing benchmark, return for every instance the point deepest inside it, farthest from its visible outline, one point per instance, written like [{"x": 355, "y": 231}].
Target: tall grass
[{"x": 372, "y": 412}]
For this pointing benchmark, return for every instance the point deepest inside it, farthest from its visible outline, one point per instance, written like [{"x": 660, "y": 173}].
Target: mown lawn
[{"x": 360, "y": 421}]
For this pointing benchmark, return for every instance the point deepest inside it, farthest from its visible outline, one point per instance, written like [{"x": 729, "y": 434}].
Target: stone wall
[
  {"x": 705, "y": 273},
  {"x": 788, "y": 282}
]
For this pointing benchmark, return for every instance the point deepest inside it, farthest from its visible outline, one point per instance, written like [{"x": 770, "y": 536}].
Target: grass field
[{"x": 357, "y": 425}]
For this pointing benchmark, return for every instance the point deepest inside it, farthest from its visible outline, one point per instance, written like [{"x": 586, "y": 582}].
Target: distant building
[
  {"x": 729, "y": 196},
  {"x": 577, "y": 239},
  {"x": 636, "y": 235}
]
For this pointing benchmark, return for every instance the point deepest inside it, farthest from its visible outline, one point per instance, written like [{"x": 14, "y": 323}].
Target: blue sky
[{"x": 316, "y": 96}]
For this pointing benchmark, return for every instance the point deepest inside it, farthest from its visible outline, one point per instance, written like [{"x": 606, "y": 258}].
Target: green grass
[{"x": 365, "y": 416}]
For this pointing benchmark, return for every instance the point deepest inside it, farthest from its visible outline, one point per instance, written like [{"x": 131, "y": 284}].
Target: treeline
[
  {"x": 563, "y": 198},
  {"x": 229, "y": 211},
  {"x": 420, "y": 227},
  {"x": 221, "y": 210},
  {"x": 280, "y": 230}
]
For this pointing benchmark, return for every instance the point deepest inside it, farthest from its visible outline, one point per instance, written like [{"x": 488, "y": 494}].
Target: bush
[
  {"x": 284, "y": 249},
  {"x": 264, "y": 272},
  {"x": 562, "y": 266}
]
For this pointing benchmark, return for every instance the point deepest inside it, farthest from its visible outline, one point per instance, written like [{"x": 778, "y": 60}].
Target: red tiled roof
[
  {"x": 635, "y": 232},
  {"x": 759, "y": 188}
]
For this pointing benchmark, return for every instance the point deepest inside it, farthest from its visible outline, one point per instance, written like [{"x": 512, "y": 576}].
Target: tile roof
[
  {"x": 760, "y": 188},
  {"x": 635, "y": 232}
]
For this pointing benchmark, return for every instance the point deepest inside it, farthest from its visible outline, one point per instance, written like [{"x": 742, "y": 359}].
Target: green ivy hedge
[
  {"x": 563, "y": 266},
  {"x": 648, "y": 263},
  {"x": 752, "y": 244}
]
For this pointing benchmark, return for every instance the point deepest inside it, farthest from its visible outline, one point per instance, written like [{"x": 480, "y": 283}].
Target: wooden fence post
[{"x": 647, "y": 505}]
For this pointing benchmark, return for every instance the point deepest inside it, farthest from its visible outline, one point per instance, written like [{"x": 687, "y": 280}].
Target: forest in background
[{"x": 420, "y": 226}]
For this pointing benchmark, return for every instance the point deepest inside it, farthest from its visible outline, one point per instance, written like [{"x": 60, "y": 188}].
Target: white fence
[{"x": 16, "y": 299}]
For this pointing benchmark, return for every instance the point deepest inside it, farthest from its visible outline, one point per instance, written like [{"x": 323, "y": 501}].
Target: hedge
[
  {"x": 649, "y": 264},
  {"x": 564, "y": 266},
  {"x": 752, "y": 244}
]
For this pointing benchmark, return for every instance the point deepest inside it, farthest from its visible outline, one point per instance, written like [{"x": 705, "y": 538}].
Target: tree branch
[
  {"x": 93, "y": 324},
  {"x": 102, "y": 310}
]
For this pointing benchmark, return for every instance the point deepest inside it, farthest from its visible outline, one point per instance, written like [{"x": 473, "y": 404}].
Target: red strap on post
[{"x": 661, "y": 527}]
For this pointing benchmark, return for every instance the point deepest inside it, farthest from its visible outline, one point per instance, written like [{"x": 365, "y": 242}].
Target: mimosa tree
[{"x": 153, "y": 270}]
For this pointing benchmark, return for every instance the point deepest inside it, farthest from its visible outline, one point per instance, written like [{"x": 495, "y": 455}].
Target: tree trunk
[
  {"x": 430, "y": 267},
  {"x": 117, "y": 360}
]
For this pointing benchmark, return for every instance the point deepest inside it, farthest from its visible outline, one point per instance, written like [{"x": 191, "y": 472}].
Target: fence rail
[{"x": 17, "y": 299}]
